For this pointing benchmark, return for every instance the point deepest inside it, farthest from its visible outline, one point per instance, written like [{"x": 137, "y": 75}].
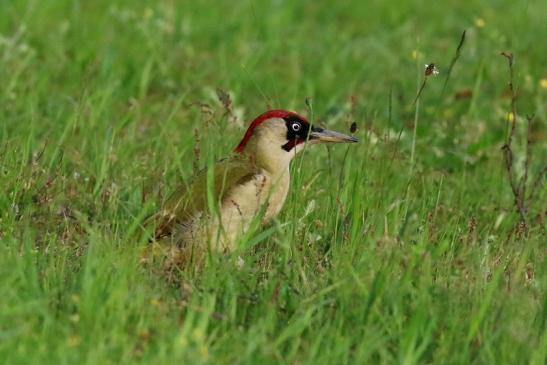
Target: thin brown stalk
[
  {"x": 520, "y": 186},
  {"x": 509, "y": 57},
  {"x": 524, "y": 180},
  {"x": 537, "y": 183},
  {"x": 507, "y": 147}
]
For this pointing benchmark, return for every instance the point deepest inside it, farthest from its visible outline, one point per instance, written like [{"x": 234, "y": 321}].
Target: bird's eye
[{"x": 296, "y": 127}]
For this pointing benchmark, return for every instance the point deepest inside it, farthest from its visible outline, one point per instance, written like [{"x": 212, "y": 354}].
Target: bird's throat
[{"x": 270, "y": 157}]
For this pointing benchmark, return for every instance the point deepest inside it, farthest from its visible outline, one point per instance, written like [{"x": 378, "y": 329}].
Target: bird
[{"x": 251, "y": 184}]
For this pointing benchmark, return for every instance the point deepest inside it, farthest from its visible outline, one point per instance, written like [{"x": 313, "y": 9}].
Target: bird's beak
[{"x": 320, "y": 135}]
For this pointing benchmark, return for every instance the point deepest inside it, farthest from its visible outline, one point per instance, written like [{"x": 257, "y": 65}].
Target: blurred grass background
[{"x": 106, "y": 105}]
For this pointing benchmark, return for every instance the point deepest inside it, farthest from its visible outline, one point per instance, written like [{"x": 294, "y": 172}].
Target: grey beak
[{"x": 325, "y": 135}]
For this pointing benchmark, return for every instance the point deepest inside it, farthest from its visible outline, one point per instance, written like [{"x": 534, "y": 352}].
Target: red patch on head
[{"x": 276, "y": 113}]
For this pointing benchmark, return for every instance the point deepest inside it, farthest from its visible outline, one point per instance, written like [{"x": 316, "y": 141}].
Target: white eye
[{"x": 296, "y": 127}]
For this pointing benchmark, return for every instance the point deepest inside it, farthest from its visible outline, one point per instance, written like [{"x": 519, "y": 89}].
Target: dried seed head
[
  {"x": 224, "y": 98},
  {"x": 430, "y": 69}
]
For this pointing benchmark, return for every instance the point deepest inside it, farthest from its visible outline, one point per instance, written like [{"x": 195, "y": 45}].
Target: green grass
[{"x": 393, "y": 262}]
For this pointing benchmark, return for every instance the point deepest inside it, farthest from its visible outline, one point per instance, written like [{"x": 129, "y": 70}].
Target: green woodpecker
[{"x": 252, "y": 182}]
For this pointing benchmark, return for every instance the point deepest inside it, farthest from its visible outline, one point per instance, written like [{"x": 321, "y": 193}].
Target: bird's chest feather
[
  {"x": 248, "y": 200},
  {"x": 260, "y": 197}
]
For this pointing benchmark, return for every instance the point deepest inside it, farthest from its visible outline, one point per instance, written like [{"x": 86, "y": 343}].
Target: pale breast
[
  {"x": 237, "y": 210},
  {"x": 277, "y": 196},
  {"x": 245, "y": 202}
]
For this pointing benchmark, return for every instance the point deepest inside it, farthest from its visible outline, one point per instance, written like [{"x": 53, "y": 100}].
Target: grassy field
[{"x": 401, "y": 249}]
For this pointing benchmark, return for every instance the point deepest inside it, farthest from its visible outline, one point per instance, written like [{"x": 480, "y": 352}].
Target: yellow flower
[
  {"x": 543, "y": 83},
  {"x": 204, "y": 351},
  {"x": 510, "y": 117},
  {"x": 480, "y": 23},
  {"x": 416, "y": 54},
  {"x": 74, "y": 340},
  {"x": 74, "y": 318},
  {"x": 183, "y": 341}
]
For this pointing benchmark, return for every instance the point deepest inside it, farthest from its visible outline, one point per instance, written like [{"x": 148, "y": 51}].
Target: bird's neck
[{"x": 270, "y": 157}]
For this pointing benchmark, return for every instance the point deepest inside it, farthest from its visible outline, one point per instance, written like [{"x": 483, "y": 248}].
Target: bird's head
[{"x": 276, "y": 136}]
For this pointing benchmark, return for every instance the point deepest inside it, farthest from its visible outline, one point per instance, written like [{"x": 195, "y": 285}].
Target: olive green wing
[{"x": 191, "y": 198}]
